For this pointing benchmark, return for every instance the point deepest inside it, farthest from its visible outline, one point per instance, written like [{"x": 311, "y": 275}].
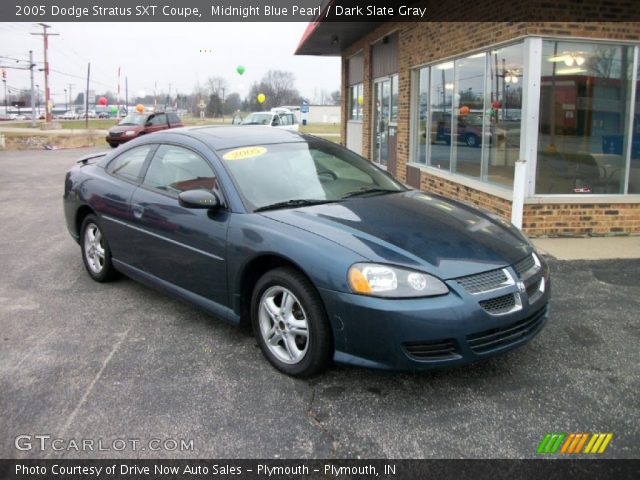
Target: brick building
[{"x": 536, "y": 121}]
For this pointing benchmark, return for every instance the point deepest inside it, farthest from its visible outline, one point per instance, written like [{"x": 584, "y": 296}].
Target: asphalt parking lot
[{"x": 81, "y": 360}]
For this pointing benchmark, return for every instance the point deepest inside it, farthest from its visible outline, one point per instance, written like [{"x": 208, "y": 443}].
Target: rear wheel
[
  {"x": 96, "y": 254},
  {"x": 290, "y": 323},
  {"x": 113, "y": 144}
]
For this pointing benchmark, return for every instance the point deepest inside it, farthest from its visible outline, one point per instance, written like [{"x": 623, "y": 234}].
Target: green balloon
[
  {"x": 240, "y": 69},
  {"x": 113, "y": 109}
]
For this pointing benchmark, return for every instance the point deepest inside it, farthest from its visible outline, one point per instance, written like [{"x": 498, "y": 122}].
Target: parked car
[
  {"x": 137, "y": 124},
  {"x": 468, "y": 130},
  {"x": 278, "y": 117},
  {"x": 69, "y": 115},
  {"x": 104, "y": 115},
  {"x": 327, "y": 256}
]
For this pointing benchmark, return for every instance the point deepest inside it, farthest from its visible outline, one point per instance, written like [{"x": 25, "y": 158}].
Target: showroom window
[
  {"x": 583, "y": 130},
  {"x": 634, "y": 170},
  {"x": 467, "y": 114},
  {"x": 356, "y": 100}
]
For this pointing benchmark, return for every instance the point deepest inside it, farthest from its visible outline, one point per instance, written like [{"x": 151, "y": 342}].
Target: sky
[{"x": 163, "y": 54}]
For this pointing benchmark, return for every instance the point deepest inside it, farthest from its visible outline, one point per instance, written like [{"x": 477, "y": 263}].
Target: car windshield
[
  {"x": 133, "y": 119},
  {"x": 258, "y": 119},
  {"x": 297, "y": 174}
]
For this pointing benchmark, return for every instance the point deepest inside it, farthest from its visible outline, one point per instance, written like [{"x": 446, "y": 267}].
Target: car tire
[
  {"x": 290, "y": 323},
  {"x": 472, "y": 140},
  {"x": 113, "y": 144},
  {"x": 96, "y": 254}
]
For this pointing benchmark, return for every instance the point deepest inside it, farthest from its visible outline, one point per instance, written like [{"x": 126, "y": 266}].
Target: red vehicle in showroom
[{"x": 136, "y": 124}]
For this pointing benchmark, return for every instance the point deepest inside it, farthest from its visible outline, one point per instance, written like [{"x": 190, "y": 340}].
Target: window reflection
[
  {"x": 585, "y": 97},
  {"x": 503, "y": 113},
  {"x": 441, "y": 99},
  {"x": 356, "y": 101},
  {"x": 468, "y": 113},
  {"x": 634, "y": 172}
]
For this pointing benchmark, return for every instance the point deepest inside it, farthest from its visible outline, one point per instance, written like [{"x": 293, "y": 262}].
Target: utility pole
[
  {"x": 4, "y": 80},
  {"x": 126, "y": 94},
  {"x": 45, "y": 36},
  {"x": 118, "y": 95},
  {"x": 71, "y": 85},
  {"x": 33, "y": 100},
  {"x": 86, "y": 98}
]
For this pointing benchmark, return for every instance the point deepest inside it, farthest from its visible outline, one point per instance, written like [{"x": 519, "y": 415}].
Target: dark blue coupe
[{"x": 326, "y": 255}]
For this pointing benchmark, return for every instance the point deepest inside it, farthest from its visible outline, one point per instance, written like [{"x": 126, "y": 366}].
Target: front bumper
[
  {"x": 120, "y": 138},
  {"x": 427, "y": 333}
]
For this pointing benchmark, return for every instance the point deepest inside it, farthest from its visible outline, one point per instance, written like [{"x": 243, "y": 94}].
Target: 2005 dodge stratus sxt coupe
[{"x": 328, "y": 256}]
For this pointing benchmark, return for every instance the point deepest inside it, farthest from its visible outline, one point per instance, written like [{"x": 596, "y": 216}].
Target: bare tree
[{"x": 216, "y": 86}]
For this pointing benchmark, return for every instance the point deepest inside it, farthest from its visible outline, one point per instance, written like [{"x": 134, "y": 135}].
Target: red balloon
[
  {"x": 102, "y": 100},
  {"x": 495, "y": 104}
]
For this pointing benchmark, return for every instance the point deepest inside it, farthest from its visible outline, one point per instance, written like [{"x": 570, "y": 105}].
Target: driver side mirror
[{"x": 199, "y": 199}]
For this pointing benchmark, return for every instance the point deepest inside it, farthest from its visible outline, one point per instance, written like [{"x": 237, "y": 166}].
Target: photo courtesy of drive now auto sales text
[{"x": 259, "y": 469}]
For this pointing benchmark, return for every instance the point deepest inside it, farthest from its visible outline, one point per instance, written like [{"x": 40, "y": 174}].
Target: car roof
[{"x": 221, "y": 138}]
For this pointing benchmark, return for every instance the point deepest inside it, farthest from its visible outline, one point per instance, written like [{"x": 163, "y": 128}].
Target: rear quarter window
[
  {"x": 174, "y": 119},
  {"x": 128, "y": 165}
]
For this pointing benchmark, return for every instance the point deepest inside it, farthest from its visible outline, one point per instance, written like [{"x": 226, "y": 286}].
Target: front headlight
[
  {"x": 130, "y": 132},
  {"x": 393, "y": 282}
]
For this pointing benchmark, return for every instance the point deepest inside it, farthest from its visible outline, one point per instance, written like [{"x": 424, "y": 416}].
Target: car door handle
[{"x": 138, "y": 210}]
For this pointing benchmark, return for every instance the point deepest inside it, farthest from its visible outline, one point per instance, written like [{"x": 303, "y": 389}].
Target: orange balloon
[
  {"x": 464, "y": 110},
  {"x": 139, "y": 108}
]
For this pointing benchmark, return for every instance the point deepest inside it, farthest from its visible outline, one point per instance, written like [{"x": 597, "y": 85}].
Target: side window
[
  {"x": 129, "y": 164},
  {"x": 276, "y": 121},
  {"x": 292, "y": 119},
  {"x": 176, "y": 169},
  {"x": 160, "y": 119},
  {"x": 173, "y": 118}
]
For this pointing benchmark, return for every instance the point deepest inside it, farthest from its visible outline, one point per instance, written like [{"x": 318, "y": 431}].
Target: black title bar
[
  {"x": 319, "y": 469},
  {"x": 318, "y": 10}
]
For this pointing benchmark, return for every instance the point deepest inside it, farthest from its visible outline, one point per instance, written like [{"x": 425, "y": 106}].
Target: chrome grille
[
  {"x": 504, "y": 336},
  {"x": 524, "y": 265},
  {"x": 435, "y": 350},
  {"x": 483, "y": 282},
  {"x": 498, "y": 305}
]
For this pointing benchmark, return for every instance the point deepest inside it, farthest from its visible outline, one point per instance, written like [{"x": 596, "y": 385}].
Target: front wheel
[
  {"x": 96, "y": 253},
  {"x": 472, "y": 140},
  {"x": 290, "y": 323}
]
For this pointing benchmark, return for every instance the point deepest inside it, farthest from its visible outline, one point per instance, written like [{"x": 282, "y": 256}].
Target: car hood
[
  {"x": 444, "y": 237},
  {"x": 124, "y": 128}
]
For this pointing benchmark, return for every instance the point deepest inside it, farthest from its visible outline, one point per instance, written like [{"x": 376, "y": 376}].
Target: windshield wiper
[
  {"x": 299, "y": 202},
  {"x": 365, "y": 190}
]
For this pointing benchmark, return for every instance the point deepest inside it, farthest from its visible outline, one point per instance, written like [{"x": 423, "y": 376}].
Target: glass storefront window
[
  {"x": 503, "y": 113},
  {"x": 440, "y": 105},
  {"x": 634, "y": 171},
  {"x": 466, "y": 134},
  {"x": 584, "y": 111},
  {"x": 356, "y": 101}
]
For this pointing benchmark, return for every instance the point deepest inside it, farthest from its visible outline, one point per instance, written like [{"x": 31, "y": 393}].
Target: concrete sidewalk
[{"x": 591, "y": 248}]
